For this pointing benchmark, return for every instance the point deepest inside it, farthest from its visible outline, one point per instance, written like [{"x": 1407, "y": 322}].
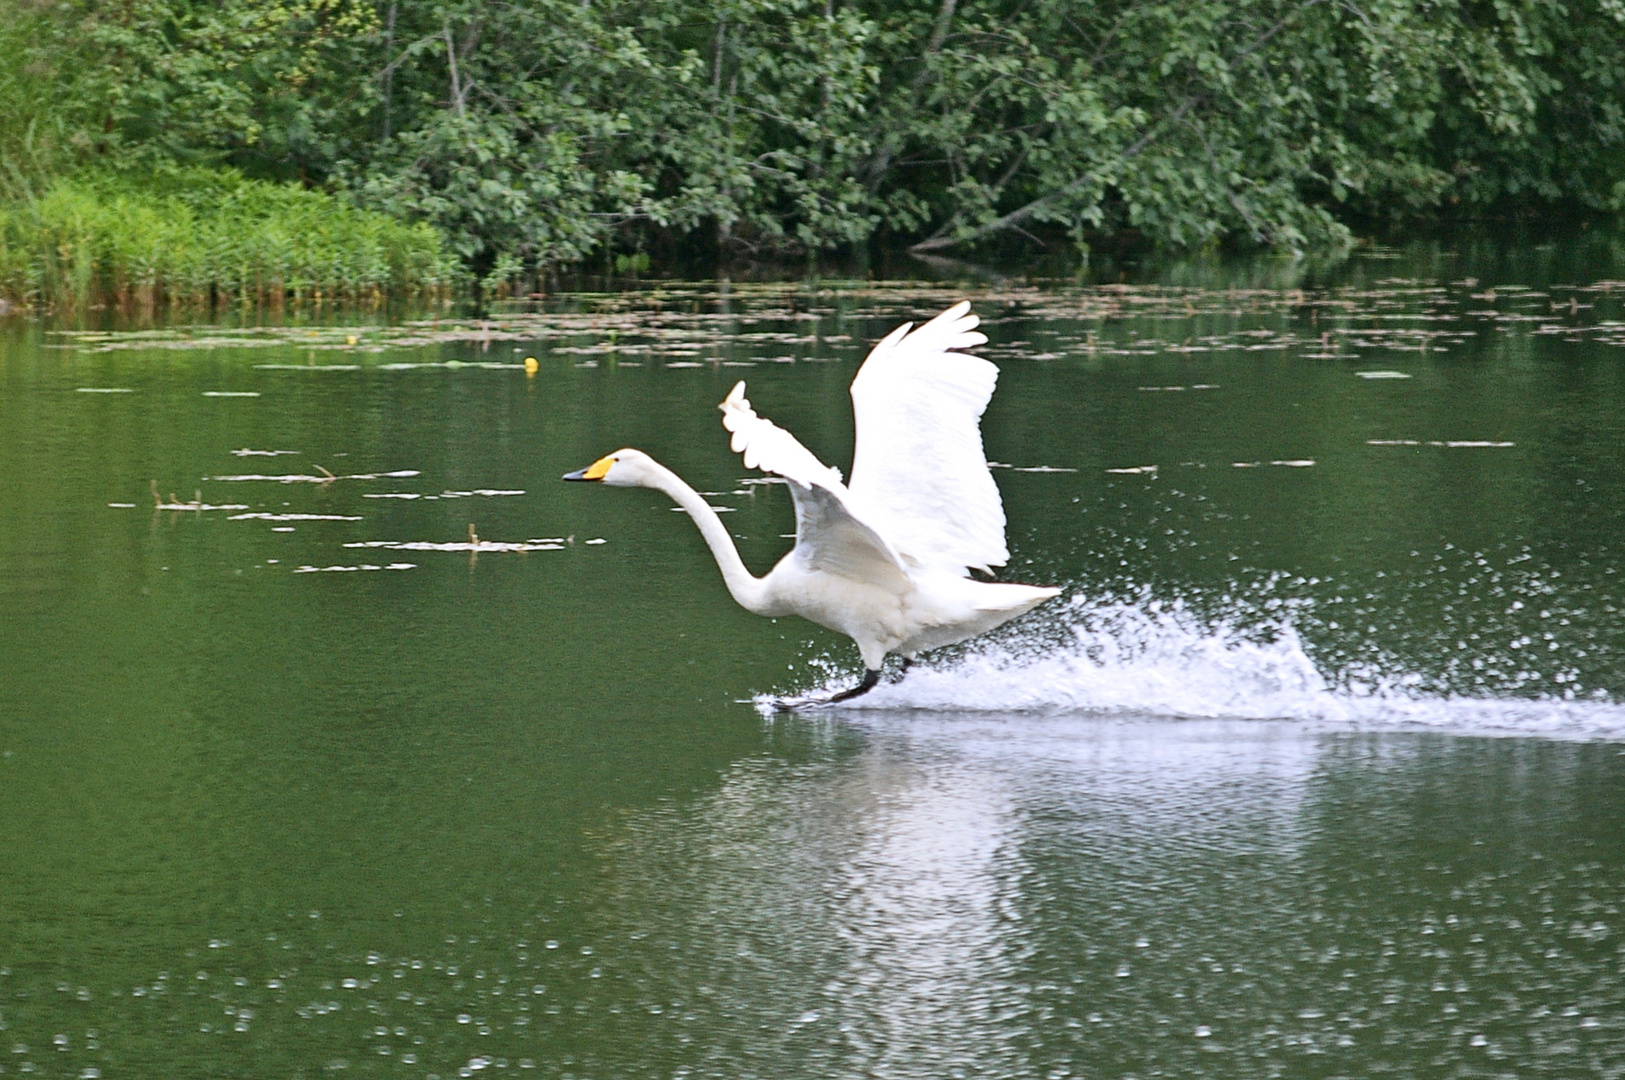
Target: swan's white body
[{"x": 886, "y": 559}]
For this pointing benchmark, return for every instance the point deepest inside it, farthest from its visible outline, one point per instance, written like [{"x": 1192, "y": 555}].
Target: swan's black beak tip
[{"x": 596, "y": 471}]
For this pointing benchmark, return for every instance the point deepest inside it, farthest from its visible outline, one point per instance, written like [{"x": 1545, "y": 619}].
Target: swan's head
[{"x": 623, "y": 468}]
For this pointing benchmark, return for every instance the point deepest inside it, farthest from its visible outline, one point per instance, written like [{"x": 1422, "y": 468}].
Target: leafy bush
[{"x": 43, "y": 91}]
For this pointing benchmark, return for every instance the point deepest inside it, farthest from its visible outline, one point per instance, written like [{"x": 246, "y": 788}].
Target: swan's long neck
[{"x": 750, "y": 591}]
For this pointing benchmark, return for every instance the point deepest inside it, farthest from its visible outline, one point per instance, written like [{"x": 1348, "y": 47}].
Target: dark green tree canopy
[{"x": 534, "y": 132}]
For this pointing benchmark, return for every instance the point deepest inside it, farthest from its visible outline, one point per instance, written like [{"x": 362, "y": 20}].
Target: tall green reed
[{"x": 202, "y": 236}]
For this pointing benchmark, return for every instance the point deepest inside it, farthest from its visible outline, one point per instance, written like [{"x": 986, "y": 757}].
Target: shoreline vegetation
[
  {"x": 203, "y": 238},
  {"x": 163, "y": 152}
]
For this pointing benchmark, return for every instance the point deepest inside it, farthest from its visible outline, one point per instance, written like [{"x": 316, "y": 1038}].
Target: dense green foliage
[
  {"x": 533, "y": 133},
  {"x": 208, "y": 236}
]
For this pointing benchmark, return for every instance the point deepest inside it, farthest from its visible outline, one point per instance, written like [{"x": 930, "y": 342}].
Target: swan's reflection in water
[{"x": 917, "y": 896}]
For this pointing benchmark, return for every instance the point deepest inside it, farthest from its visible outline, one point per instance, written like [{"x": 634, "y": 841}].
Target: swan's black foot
[
  {"x": 902, "y": 672},
  {"x": 871, "y": 679}
]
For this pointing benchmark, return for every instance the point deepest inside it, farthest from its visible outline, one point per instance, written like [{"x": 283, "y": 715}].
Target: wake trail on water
[{"x": 1148, "y": 657}]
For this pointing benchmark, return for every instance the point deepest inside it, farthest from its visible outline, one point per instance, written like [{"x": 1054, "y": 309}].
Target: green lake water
[{"x": 1317, "y": 768}]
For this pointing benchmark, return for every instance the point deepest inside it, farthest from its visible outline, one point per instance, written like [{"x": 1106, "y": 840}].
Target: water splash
[{"x": 1145, "y": 656}]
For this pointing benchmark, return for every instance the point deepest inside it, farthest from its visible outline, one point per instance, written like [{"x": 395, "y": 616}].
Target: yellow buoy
[
  {"x": 531, "y": 365},
  {"x": 351, "y": 340}
]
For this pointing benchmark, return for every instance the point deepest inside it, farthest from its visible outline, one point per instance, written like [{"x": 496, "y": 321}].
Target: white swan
[{"x": 886, "y": 559}]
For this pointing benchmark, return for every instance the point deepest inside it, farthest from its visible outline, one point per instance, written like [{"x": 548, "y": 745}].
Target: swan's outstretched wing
[
  {"x": 918, "y": 471},
  {"x": 766, "y": 446},
  {"x": 828, "y": 536}
]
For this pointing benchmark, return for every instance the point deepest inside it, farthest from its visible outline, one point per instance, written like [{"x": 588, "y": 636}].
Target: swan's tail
[{"x": 1015, "y": 599}]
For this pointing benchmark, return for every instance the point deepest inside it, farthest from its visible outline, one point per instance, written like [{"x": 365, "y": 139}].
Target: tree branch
[
  {"x": 456, "y": 83},
  {"x": 881, "y": 163},
  {"x": 944, "y": 236}
]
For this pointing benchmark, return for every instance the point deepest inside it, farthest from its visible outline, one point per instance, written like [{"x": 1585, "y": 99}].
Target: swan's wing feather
[
  {"x": 831, "y": 540},
  {"x": 919, "y": 473},
  {"x": 829, "y": 537},
  {"x": 766, "y": 446}
]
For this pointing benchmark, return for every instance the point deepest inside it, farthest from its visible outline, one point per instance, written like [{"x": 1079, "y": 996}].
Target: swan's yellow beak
[{"x": 595, "y": 471}]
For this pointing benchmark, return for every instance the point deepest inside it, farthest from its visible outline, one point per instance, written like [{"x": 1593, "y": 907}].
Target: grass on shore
[{"x": 198, "y": 237}]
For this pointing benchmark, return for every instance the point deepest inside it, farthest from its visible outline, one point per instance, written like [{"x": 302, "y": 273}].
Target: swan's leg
[
  {"x": 902, "y": 672},
  {"x": 871, "y": 678}
]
